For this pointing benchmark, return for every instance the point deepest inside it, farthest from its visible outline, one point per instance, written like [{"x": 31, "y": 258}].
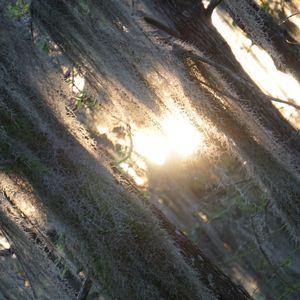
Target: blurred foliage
[
  {"x": 18, "y": 9},
  {"x": 266, "y": 6},
  {"x": 43, "y": 45}
]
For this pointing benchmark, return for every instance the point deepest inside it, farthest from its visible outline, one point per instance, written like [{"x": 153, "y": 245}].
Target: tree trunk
[{"x": 110, "y": 234}]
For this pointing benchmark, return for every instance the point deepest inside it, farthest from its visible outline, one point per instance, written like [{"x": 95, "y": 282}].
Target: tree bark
[{"x": 114, "y": 237}]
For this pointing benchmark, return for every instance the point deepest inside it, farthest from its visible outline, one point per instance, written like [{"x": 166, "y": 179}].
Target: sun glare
[
  {"x": 260, "y": 66},
  {"x": 178, "y": 137},
  {"x": 151, "y": 145},
  {"x": 132, "y": 173},
  {"x": 183, "y": 138},
  {"x": 102, "y": 129},
  {"x": 78, "y": 84},
  {"x": 4, "y": 244}
]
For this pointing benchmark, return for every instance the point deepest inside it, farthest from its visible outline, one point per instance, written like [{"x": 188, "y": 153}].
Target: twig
[
  {"x": 286, "y": 19},
  {"x": 70, "y": 111},
  {"x": 292, "y": 15},
  {"x": 291, "y": 43},
  {"x": 273, "y": 99},
  {"x": 284, "y": 102},
  {"x": 239, "y": 99}
]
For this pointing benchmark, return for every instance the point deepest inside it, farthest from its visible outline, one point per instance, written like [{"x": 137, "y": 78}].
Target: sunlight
[
  {"x": 203, "y": 216},
  {"x": 140, "y": 181},
  {"x": 151, "y": 145},
  {"x": 102, "y": 129},
  {"x": 26, "y": 204},
  {"x": 182, "y": 137},
  {"x": 250, "y": 284},
  {"x": 178, "y": 137},
  {"x": 260, "y": 66},
  {"x": 4, "y": 244},
  {"x": 78, "y": 84}
]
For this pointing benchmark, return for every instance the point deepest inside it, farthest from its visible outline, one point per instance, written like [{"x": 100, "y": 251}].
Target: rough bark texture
[
  {"x": 113, "y": 235},
  {"x": 109, "y": 234}
]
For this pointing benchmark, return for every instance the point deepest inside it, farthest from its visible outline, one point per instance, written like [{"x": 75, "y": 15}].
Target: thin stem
[{"x": 292, "y": 15}]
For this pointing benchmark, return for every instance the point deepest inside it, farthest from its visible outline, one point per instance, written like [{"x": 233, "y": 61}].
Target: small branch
[
  {"x": 239, "y": 99},
  {"x": 284, "y": 102},
  {"x": 70, "y": 111},
  {"x": 291, "y": 43},
  {"x": 292, "y": 15},
  {"x": 211, "y": 6}
]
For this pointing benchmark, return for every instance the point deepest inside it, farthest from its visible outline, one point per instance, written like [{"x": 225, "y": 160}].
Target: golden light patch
[
  {"x": 178, "y": 136},
  {"x": 151, "y": 145},
  {"x": 182, "y": 137}
]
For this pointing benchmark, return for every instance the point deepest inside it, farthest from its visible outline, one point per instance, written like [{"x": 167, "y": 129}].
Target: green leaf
[{"x": 43, "y": 45}]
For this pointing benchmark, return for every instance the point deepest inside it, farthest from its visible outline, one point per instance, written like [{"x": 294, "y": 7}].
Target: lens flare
[
  {"x": 151, "y": 145},
  {"x": 178, "y": 137},
  {"x": 182, "y": 137}
]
